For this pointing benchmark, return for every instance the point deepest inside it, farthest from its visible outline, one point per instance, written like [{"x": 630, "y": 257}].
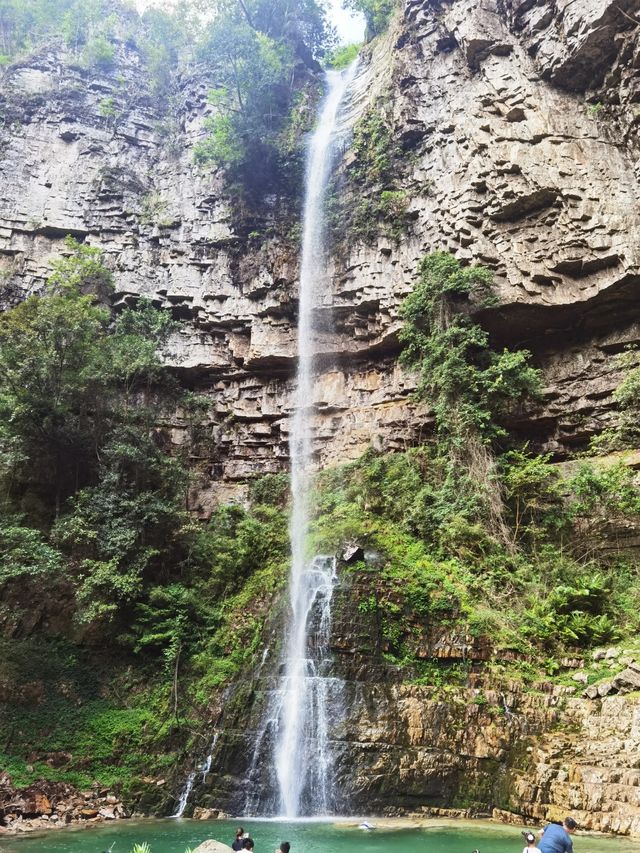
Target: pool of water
[{"x": 174, "y": 836}]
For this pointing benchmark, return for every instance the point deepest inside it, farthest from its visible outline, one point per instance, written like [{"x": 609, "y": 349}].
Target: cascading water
[
  {"x": 185, "y": 794},
  {"x": 183, "y": 799},
  {"x": 295, "y": 736},
  {"x": 302, "y": 755}
]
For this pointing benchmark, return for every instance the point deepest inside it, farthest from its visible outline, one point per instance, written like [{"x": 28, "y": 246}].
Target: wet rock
[
  {"x": 87, "y": 814},
  {"x": 200, "y": 813},
  {"x": 107, "y": 813}
]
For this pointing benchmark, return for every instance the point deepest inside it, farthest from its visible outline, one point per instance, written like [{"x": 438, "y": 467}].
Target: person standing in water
[{"x": 237, "y": 844}]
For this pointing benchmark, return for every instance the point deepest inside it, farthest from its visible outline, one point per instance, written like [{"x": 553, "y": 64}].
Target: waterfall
[
  {"x": 294, "y": 738},
  {"x": 302, "y": 755},
  {"x": 183, "y": 799},
  {"x": 185, "y": 794}
]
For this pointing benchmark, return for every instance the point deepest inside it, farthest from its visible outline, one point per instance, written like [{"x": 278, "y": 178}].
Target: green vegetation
[
  {"x": 93, "y": 31},
  {"x": 389, "y": 209},
  {"x": 469, "y": 385},
  {"x": 374, "y": 148},
  {"x": 145, "y": 848},
  {"x": 624, "y": 433},
  {"x": 439, "y": 566},
  {"x": 107, "y": 108},
  {"x": 343, "y": 56},
  {"x": 471, "y": 534},
  {"x": 253, "y": 49},
  {"x": 260, "y": 57},
  {"x": 94, "y": 525},
  {"x": 365, "y": 202},
  {"x": 377, "y": 14},
  {"x": 153, "y": 210}
]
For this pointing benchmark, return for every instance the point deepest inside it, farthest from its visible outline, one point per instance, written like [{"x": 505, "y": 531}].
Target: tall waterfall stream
[
  {"x": 294, "y": 738},
  {"x": 303, "y": 755}
]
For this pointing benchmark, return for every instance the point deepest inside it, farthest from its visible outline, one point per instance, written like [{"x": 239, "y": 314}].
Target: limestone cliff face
[
  {"x": 505, "y": 163},
  {"x": 98, "y": 158},
  {"x": 524, "y": 752},
  {"x": 518, "y": 122}
]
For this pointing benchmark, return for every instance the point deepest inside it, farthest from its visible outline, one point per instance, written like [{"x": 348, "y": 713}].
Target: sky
[{"x": 350, "y": 26}]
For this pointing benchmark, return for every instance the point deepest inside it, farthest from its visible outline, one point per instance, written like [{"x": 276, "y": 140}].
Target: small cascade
[
  {"x": 185, "y": 794},
  {"x": 191, "y": 778},
  {"x": 303, "y": 754},
  {"x": 294, "y": 739},
  {"x": 206, "y": 767}
]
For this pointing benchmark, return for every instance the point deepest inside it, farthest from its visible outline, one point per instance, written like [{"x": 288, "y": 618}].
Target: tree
[
  {"x": 377, "y": 14},
  {"x": 52, "y": 387},
  {"x": 469, "y": 385},
  {"x": 253, "y": 48},
  {"x": 80, "y": 399}
]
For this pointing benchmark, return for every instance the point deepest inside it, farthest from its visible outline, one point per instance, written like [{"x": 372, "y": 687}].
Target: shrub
[
  {"x": 343, "y": 56},
  {"x": 99, "y": 52}
]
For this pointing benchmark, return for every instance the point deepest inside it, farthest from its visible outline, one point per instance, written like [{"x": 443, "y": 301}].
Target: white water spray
[
  {"x": 302, "y": 755},
  {"x": 185, "y": 794}
]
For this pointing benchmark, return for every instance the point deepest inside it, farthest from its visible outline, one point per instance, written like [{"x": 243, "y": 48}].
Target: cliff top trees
[
  {"x": 377, "y": 14},
  {"x": 255, "y": 49}
]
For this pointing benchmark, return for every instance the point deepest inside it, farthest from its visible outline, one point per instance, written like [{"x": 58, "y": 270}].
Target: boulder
[
  {"x": 211, "y": 846},
  {"x": 352, "y": 553},
  {"x": 628, "y": 679},
  {"x": 200, "y": 813}
]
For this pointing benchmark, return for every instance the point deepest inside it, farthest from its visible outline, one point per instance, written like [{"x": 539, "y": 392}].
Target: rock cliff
[
  {"x": 517, "y": 121},
  {"x": 522, "y": 751}
]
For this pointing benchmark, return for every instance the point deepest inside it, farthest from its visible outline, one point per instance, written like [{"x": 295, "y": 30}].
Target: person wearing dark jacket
[
  {"x": 556, "y": 837},
  {"x": 237, "y": 844}
]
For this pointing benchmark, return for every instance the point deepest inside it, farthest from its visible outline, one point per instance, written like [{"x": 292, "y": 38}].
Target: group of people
[
  {"x": 554, "y": 838},
  {"x": 243, "y": 841}
]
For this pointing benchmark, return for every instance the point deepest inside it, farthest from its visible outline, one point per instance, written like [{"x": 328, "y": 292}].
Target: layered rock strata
[
  {"x": 517, "y": 121},
  {"x": 505, "y": 163}
]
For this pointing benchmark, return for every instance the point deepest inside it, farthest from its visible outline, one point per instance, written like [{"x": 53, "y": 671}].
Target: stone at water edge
[{"x": 211, "y": 846}]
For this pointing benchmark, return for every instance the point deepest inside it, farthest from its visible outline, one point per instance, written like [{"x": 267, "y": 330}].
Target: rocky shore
[{"x": 47, "y": 805}]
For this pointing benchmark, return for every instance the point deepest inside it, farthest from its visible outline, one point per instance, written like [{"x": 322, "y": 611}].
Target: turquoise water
[{"x": 173, "y": 836}]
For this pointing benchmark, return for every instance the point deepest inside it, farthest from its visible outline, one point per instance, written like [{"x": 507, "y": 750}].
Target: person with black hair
[
  {"x": 556, "y": 837},
  {"x": 247, "y": 844},
  {"x": 285, "y": 847},
  {"x": 531, "y": 847},
  {"x": 237, "y": 843}
]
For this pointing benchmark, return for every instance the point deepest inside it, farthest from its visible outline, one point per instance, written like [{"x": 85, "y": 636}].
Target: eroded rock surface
[
  {"x": 518, "y": 124},
  {"x": 505, "y": 163}
]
